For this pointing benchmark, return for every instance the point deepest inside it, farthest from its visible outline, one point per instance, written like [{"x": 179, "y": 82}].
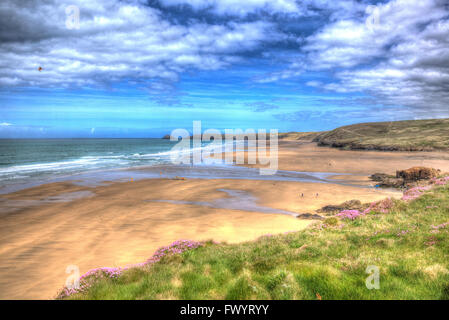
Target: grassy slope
[
  {"x": 413, "y": 135},
  {"x": 330, "y": 262},
  {"x": 305, "y": 136}
]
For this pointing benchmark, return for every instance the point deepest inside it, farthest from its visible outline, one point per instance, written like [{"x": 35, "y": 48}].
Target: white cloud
[
  {"x": 403, "y": 60},
  {"x": 5, "y": 124},
  {"x": 350, "y": 42},
  {"x": 314, "y": 83},
  {"x": 115, "y": 41}
]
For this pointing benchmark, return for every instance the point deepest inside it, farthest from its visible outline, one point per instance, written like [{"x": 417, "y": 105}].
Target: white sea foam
[{"x": 87, "y": 163}]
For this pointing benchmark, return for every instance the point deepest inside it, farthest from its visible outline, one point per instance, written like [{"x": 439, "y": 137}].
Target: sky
[{"x": 141, "y": 68}]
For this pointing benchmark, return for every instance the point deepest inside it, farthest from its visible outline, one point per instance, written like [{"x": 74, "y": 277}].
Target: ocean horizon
[
  {"x": 22, "y": 160},
  {"x": 26, "y": 163}
]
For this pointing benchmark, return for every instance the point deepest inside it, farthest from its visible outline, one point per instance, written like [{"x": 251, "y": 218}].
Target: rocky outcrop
[
  {"x": 417, "y": 173},
  {"x": 380, "y": 176},
  {"x": 348, "y": 205},
  {"x": 405, "y": 178},
  {"x": 392, "y": 183},
  {"x": 309, "y": 216}
]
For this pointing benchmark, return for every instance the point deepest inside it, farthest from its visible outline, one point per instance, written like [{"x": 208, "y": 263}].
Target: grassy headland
[
  {"x": 408, "y": 240},
  {"x": 409, "y": 135},
  {"x": 305, "y": 136},
  {"x": 413, "y": 135}
]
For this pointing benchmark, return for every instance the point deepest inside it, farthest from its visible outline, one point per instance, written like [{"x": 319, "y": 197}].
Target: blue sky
[{"x": 143, "y": 68}]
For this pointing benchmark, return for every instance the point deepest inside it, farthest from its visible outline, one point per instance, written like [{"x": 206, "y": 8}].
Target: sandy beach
[
  {"x": 307, "y": 156},
  {"x": 46, "y": 228}
]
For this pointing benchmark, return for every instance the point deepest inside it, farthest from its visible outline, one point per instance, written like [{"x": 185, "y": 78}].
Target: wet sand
[
  {"x": 123, "y": 223},
  {"x": 308, "y": 157}
]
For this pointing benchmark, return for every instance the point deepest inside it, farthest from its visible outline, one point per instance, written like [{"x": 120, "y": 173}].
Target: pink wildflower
[
  {"x": 414, "y": 193},
  {"x": 87, "y": 279},
  {"x": 350, "y": 214},
  {"x": 383, "y": 206},
  {"x": 441, "y": 181},
  {"x": 436, "y": 229}
]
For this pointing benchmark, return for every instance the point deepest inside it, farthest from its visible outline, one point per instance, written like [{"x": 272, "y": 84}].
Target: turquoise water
[
  {"x": 28, "y": 163},
  {"x": 21, "y": 160}
]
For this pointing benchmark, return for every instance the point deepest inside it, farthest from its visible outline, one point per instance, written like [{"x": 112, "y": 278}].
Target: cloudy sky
[{"x": 140, "y": 68}]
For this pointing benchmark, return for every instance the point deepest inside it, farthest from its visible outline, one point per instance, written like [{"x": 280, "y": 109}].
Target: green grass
[
  {"x": 304, "y": 136},
  {"x": 413, "y": 135},
  {"x": 330, "y": 262}
]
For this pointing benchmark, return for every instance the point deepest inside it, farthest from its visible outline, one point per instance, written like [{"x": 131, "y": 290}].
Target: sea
[
  {"x": 23, "y": 160},
  {"x": 30, "y": 162}
]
